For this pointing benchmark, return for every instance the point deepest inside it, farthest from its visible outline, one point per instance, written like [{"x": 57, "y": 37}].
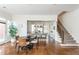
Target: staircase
[
  {"x": 64, "y": 35},
  {"x": 69, "y": 39},
  {"x": 59, "y": 39}
]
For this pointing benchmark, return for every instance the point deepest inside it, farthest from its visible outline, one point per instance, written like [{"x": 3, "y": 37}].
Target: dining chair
[{"x": 21, "y": 42}]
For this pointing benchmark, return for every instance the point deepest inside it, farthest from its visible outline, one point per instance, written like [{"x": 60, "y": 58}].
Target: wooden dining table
[{"x": 22, "y": 41}]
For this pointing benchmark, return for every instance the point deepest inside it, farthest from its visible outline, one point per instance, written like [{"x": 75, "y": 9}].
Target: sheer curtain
[
  {"x": 2, "y": 32},
  {"x": 2, "y": 29}
]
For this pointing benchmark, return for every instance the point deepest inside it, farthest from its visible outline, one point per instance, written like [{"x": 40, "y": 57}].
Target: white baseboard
[{"x": 4, "y": 41}]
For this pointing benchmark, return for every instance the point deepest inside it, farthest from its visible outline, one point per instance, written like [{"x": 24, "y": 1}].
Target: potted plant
[{"x": 12, "y": 31}]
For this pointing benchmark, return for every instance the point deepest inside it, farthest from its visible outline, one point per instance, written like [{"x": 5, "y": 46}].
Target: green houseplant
[{"x": 12, "y": 31}]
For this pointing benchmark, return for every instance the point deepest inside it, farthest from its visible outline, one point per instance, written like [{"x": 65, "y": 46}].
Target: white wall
[
  {"x": 71, "y": 23},
  {"x": 21, "y": 23},
  {"x": 22, "y": 19}
]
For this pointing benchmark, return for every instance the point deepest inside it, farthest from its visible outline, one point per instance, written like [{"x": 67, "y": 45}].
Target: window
[
  {"x": 37, "y": 28},
  {"x": 33, "y": 28}
]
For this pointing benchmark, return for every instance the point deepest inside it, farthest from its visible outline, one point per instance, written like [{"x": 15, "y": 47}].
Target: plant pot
[{"x": 13, "y": 40}]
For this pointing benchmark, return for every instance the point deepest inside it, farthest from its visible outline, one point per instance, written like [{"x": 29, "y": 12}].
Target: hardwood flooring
[{"x": 43, "y": 49}]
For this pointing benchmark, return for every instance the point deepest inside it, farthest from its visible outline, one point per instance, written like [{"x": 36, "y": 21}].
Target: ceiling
[{"x": 37, "y": 9}]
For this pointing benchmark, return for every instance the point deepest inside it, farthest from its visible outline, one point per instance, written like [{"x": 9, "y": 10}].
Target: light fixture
[{"x": 4, "y": 6}]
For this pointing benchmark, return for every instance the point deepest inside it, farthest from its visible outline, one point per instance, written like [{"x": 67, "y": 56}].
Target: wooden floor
[{"x": 43, "y": 49}]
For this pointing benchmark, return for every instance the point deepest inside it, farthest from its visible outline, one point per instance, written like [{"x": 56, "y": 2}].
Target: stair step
[
  {"x": 69, "y": 44},
  {"x": 69, "y": 40}
]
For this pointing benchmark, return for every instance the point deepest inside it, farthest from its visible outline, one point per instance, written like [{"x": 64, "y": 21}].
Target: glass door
[{"x": 2, "y": 32}]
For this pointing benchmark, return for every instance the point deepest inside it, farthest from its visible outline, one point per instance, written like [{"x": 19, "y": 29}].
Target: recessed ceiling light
[
  {"x": 4, "y": 6},
  {"x": 54, "y": 4}
]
